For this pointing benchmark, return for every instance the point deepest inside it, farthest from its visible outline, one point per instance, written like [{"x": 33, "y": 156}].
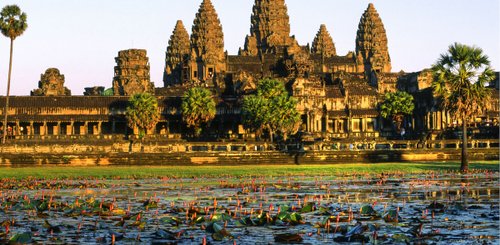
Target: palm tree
[
  {"x": 142, "y": 112},
  {"x": 12, "y": 24},
  {"x": 198, "y": 107},
  {"x": 460, "y": 78}
]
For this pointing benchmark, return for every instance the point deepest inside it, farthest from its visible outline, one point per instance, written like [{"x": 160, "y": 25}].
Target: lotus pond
[{"x": 432, "y": 207}]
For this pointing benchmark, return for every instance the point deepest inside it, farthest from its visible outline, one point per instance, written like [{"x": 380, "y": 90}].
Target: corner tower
[
  {"x": 207, "y": 44},
  {"x": 371, "y": 43},
  {"x": 323, "y": 43},
  {"x": 177, "y": 53}
]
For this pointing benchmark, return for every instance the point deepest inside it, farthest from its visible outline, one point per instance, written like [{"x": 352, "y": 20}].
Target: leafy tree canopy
[
  {"x": 397, "y": 104},
  {"x": 271, "y": 108},
  {"x": 142, "y": 112}
]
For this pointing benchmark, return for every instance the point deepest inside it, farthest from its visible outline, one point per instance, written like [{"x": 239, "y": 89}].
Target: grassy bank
[{"x": 235, "y": 171}]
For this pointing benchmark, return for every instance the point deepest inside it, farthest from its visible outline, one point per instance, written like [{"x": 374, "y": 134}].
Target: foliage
[
  {"x": 12, "y": 21},
  {"x": 12, "y": 24},
  {"x": 142, "y": 112},
  {"x": 460, "y": 78},
  {"x": 271, "y": 108},
  {"x": 459, "y": 82},
  {"x": 396, "y": 105},
  {"x": 108, "y": 92},
  {"x": 198, "y": 108}
]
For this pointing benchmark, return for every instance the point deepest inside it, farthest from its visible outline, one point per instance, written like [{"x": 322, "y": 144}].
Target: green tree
[
  {"x": 12, "y": 25},
  {"x": 397, "y": 105},
  {"x": 459, "y": 82},
  {"x": 271, "y": 108},
  {"x": 198, "y": 108},
  {"x": 142, "y": 112}
]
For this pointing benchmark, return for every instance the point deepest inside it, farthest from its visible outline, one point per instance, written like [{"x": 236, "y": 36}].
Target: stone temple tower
[
  {"x": 178, "y": 51},
  {"x": 270, "y": 28},
  {"x": 323, "y": 44},
  {"x": 371, "y": 43},
  {"x": 207, "y": 57},
  {"x": 132, "y": 73}
]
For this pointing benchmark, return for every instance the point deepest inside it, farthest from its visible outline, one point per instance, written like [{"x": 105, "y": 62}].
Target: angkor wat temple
[{"x": 338, "y": 94}]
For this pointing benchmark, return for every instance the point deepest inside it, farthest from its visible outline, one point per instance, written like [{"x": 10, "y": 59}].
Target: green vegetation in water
[{"x": 61, "y": 172}]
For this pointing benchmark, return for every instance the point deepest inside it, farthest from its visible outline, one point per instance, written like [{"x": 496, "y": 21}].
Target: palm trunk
[
  {"x": 464, "y": 167},
  {"x": 5, "y": 127}
]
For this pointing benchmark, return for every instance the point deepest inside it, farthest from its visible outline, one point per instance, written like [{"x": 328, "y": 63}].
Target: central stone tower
[
  {"x": 270, "y": 28},
  {"x": 371, "y": 43},
  {"x": 207, "y": 57}
]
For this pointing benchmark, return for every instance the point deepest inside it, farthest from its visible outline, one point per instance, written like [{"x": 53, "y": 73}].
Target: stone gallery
[{"x": 338, "y": 94}]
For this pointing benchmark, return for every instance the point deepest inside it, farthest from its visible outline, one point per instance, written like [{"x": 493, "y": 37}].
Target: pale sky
[{"x": 82, "y": 38}]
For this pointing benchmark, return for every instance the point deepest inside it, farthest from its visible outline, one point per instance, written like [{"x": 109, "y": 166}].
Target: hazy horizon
[{"x": 82, "y": 38}]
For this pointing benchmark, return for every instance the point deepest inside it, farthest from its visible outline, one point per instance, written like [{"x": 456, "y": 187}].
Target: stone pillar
[
  {"x": 43, "y": 129},
  {"x": 18, "y": 128},
  {"x": 85, "y": 129},
  {"x": 308, "y": 123},
  {"x": 364, "y": 129},
  {"x": 71, "y": 130},
  {"x": 327, "y": 123},
  {"x": 99, "y": 128},
  {"x": 57, "y": 130},
  {"x": 31, "y": 130}
]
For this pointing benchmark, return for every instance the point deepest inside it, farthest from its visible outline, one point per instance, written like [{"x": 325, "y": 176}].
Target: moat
[{"x": 389, "y": 208}]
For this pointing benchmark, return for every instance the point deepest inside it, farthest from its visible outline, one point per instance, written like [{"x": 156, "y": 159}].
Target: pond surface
[{"x": 395, "y": 208}]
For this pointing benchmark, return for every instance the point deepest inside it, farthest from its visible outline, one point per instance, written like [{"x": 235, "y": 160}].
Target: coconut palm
[
  {"x": 142, "y": 112},
  {"x": 198, "y": 108},
  {"x": 459, "y": 82},
  {"x": 12, "y": 25}
]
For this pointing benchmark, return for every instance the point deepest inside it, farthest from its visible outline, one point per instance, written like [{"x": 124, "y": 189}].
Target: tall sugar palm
[
  {"x": 459, "y": 82},
  {"x": 198, "y": 108},
  {"x": 142, "y": 112},
  {"x": 12, "y": 25}
]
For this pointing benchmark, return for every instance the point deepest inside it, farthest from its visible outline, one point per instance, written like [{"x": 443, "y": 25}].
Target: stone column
[
  {"x": 18, "y": 128},
  {"x": 308, "y": 122},
  {"x": 99, "y": 128},
  {"x": 85, "y": 128},
  {"x": 71, "y": 128},
  {"x": 43, "y": 130},
  {"x": 327, "y": 123},
  {"x": 57, "y": 130},
  {"x": 31, "y": 130}
]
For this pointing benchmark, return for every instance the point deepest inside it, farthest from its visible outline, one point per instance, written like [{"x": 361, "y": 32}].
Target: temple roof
[
  {"x": 333, "y": 92},
  {"x": 356, "y": 86},
  {"x": 243, "y": 59}
]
